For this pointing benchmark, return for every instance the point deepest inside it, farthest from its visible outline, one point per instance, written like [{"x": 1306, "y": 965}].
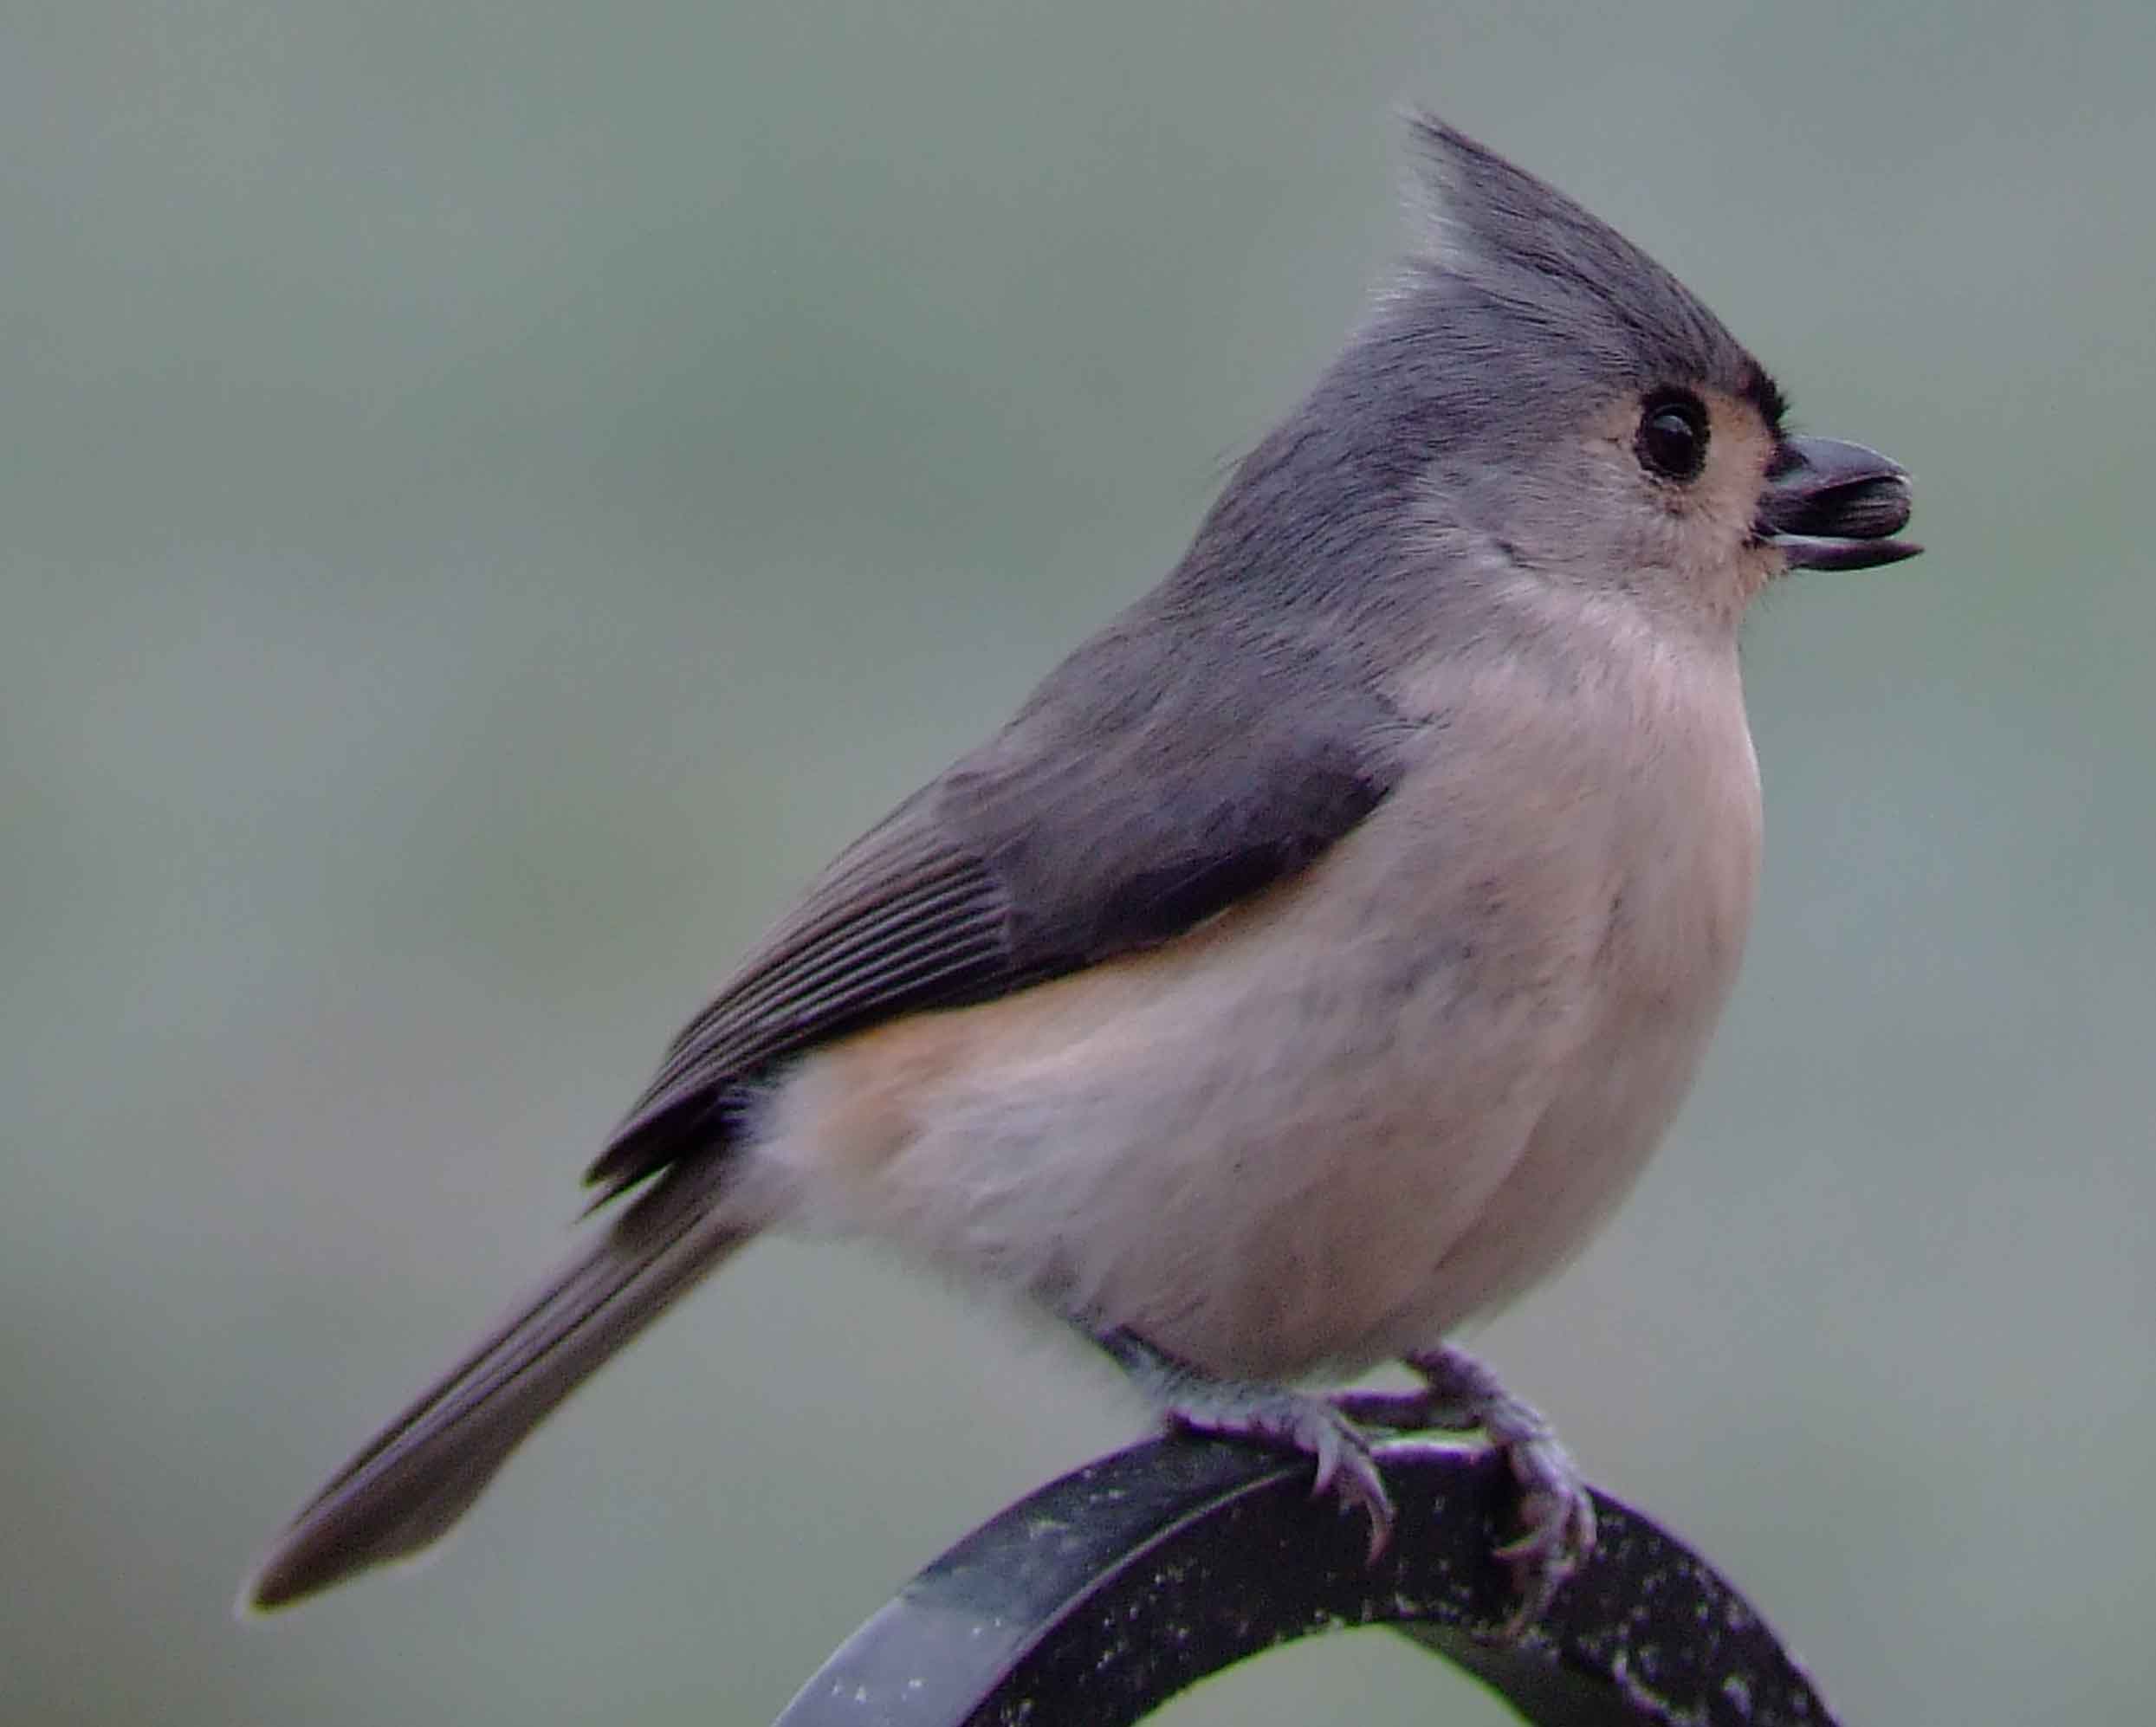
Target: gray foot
[
  {"x": 1556, "y": 1514},
  {"x": 1269, "y": 1414}
]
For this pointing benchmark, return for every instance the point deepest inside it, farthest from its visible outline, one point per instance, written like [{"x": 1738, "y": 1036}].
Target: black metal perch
[{"x": 1104, "y": 1594}]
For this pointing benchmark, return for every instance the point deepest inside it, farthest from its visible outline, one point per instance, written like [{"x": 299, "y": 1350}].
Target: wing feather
[{"x": 1131, "y": 798}]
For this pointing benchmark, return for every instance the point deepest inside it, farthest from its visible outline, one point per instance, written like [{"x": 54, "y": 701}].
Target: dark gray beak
[{"x": 1831, "y": 506}]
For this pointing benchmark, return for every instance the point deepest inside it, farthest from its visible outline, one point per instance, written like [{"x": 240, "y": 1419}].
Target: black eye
[{"x": 1671, "y": 439}]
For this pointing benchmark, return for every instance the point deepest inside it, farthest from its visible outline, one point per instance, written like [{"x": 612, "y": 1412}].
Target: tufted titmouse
[{"x": 1313, "y": 959}]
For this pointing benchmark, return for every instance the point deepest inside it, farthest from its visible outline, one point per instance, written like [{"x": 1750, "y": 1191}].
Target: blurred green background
[{"x": 494, "y": 493}]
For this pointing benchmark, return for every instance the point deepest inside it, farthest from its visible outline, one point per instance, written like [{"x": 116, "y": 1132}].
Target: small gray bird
[{"x": 1314, "y": 958}]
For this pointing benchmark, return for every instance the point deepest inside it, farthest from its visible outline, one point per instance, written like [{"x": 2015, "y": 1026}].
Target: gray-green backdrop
[{"x": 492, "y": 493}]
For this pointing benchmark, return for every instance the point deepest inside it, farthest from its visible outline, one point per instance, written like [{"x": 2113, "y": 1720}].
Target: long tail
[{"x": 422, "y": 1472}]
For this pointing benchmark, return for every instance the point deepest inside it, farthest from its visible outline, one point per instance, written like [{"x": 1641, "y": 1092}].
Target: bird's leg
[
  {"x": 1458, "y": 1394},
  {"x": 1555, "y": 1510},
  {"x": 1426, "y": 1409},
  {"x": 1196, "y": 1401}
]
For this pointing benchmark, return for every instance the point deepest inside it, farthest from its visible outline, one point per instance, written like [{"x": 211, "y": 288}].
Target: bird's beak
[{"x": 1831, "y": 506}]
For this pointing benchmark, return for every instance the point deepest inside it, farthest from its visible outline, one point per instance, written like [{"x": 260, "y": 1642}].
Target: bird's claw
[
  {"x": 1345, "y": 1467},
  {"x": 1557, "y": 1513}
]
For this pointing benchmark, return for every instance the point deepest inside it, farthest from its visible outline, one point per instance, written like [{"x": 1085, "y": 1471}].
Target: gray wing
[{"x": 1133, "y": 797}]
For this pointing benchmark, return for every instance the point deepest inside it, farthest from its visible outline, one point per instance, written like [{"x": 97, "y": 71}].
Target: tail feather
[{"x": 422, "y": 1472}]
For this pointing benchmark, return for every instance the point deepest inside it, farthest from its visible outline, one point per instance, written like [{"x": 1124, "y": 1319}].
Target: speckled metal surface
[{"x": 1098, "y": 1598}]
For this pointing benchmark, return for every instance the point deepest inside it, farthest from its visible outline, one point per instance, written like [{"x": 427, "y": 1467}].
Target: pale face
[{"x": 1679, "y": 474}]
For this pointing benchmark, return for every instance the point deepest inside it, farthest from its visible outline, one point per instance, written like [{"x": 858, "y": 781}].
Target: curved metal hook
[{"x": 1100, "y": 1596}]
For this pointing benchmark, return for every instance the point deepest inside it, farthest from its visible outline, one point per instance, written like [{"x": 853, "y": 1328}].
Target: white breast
[{"x": 1693, "y": 821}]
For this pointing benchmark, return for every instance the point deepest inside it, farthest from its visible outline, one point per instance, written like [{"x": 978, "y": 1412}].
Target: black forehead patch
[
  {"x": 1523, "y": 252},
  {"x": 1765, "y": 395}
]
